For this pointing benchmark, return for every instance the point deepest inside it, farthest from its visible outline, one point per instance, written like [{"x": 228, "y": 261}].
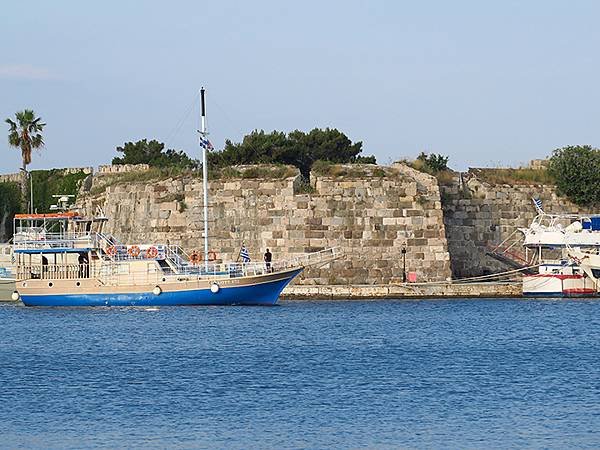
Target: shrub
[
  {"x": 432, "y": 163},
  {"x": 576, "y": 170}
]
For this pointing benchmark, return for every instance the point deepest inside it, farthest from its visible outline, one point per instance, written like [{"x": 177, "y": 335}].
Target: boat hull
[
  {"x": 260, "y": 292},
  {"x": 7, "y": 287},
  {"x": 546, "y": 285}
]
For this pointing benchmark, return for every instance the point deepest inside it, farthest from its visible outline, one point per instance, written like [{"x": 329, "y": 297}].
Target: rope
[{"x": 481, "y": 277}]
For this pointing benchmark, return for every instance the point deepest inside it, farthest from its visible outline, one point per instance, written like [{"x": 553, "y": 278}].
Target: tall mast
[{"x": 203, "y": 134}]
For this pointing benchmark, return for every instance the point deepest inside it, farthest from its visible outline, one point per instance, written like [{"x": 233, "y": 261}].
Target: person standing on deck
[{"x": 268, "y": 257}]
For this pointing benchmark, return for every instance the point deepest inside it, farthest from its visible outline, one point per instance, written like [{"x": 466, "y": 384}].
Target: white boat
[
  {"x": 7, "y": 276},
  {"x": 549, "y": 271},
  {"x": 559, "y": 230},
  {"x": 558, "y": 234}
]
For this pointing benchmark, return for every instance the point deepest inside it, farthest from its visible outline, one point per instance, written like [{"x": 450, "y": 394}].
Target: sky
[{"x": 486, "y": 83}]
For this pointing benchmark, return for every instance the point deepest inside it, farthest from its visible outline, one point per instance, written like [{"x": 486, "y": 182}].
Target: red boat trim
[
  {"x": 555, "y": 275},
  {"x": 579, "y": 291}
]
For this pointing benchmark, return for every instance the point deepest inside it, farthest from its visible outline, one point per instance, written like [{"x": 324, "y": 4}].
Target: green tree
[
  {"x": 25, "y": 133},
  {"x": 433, "y": 163},
  {"x": 576, "y": 170},
  {"x": 297, "y": 148},
  {"x": 153, "y": 153}
]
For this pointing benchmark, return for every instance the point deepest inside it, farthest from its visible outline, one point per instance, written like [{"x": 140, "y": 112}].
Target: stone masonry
[
  {"x": 479, "y": 215},
  {"x": 370, "y": 216}
]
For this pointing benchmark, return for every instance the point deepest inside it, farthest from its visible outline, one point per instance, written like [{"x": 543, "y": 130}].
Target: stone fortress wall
[
  {"x": 479, "y": 216},
  {"x": 447, "y": 228},
  {"x": 16, "y": 177},
  {"x": 371, "y": 218}
]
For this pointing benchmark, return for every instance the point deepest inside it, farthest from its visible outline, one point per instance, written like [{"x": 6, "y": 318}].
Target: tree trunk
[{"x": 24, "y": 190}]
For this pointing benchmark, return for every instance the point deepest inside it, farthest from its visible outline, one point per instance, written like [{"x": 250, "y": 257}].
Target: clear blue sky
[{"x": 487, "y": 83}]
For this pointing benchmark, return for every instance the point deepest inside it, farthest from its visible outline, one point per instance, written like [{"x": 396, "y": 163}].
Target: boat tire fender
[
  {"x": 215, "y": 288},
  {"x": 157, "y": 290},
  {"x": 212, "y": 255},
  {"x": 15, "y": 296}
]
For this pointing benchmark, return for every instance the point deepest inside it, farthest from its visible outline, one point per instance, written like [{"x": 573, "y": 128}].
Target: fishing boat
[{"x": 67, "y": 259}]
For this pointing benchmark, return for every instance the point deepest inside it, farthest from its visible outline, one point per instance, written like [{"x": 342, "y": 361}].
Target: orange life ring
[
  {"x": 152, "y": 252},
  {"x": 134, "y": 251},
  {"x": 212, "y": 255},
  {"x": 111, "y": 251}
]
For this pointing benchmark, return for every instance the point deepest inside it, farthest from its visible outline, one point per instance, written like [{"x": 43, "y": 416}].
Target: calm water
[{"x": 452, "y": 374}]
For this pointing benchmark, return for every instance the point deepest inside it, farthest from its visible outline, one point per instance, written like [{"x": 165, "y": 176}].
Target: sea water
[{"x": 384, "y": 374}]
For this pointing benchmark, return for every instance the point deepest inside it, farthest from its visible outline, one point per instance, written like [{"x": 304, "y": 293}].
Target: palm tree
[{"x": 25, "y": 134}]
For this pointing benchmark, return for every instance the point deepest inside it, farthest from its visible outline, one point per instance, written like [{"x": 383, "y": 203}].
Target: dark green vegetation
[
  {"x": 432, "y": 163},
  {"x": 576, "y": 170},
  {"x": 47, "y": 183},
  {"x": 153, "y": 153},
  {"x": 296, "y": 148},
  {"x": 10, "y": 201},
  {"x": 25, "y": 133}
]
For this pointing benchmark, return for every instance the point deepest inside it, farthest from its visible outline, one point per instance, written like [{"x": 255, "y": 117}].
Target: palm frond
[
  {"x": 25, "y": 133},
  {"x": 14, "y": 140},
  {"x": 12, "y": 124},
  {"x": 37, "y": 141}
]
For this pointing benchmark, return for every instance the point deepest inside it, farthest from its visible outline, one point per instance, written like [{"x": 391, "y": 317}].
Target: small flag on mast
[
  {"x": 205, "y": 143},
  {"x": 538, "y": 205},
  {"x": 244, "y": 254}
]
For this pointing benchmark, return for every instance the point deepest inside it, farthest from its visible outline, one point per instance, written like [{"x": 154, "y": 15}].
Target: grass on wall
[
  {"x": 511, "y": 176},
  {"x": 155, "y": 174}
]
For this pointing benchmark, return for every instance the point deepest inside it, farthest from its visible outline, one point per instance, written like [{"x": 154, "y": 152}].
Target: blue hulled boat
[{"x": 65, "y": 259}]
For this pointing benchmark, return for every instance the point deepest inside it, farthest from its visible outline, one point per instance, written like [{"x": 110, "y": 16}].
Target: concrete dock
[{"x": 406, "y": 290}]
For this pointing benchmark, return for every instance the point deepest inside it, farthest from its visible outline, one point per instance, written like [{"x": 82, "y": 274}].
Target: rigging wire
[{"x": 179, "y": 125}]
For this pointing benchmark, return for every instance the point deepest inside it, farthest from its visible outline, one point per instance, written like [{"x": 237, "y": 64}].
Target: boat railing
[
  {"x": 55, "y": 271},
  {"x": 318, "y": 258},
  {"x": 26, "y": 241},
  {"x": 554, "y": 222},
  {"x": 238, "y": 269},
  {"x": 104, "y": 242},
  {"x": 176, "y": 255},
  {"x": 115, "y": 272}
]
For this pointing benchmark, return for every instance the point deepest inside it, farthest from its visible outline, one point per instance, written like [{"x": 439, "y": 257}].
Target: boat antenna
[{"x": 204, "y": 145}]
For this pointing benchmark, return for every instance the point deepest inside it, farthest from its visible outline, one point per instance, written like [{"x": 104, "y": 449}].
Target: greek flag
[
  {"x": 537, "y": 202},
  {"x": 244, "y": 254},
  {"x": 205, "y": 143}
]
